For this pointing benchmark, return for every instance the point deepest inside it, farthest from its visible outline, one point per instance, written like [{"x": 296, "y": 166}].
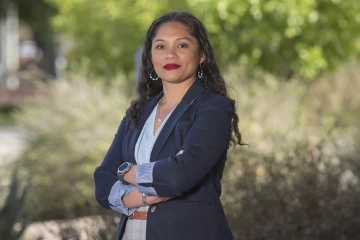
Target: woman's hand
[
  {"x": 130, "y": 176},
  {"x": 155, "y": 199},
  {"x": 134, "y": 199}
]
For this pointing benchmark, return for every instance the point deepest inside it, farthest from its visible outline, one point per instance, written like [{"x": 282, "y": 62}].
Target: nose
[{"x": 171, "y": 53}]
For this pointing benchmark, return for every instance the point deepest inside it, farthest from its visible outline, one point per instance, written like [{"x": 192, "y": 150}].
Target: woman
[{"x": 163, "y": 169}]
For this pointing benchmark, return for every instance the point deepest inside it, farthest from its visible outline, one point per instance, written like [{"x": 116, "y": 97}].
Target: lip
[{"x": 171, "y": 66}]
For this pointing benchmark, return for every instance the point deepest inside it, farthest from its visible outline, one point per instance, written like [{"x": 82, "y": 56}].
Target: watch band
[
  {"x": 143, "y": 198},
  {"x": 121, "y": 172}
]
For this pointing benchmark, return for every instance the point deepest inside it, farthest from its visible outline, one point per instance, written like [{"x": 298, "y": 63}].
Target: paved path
[{"x": 11, "y": 144}]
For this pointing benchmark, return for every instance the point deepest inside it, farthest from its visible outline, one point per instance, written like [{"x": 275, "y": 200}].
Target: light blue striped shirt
[{"x": 143, "y": 148}]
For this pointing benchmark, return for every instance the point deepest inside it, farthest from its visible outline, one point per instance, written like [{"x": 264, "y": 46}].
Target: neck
[{"x": 174, "y": 92}]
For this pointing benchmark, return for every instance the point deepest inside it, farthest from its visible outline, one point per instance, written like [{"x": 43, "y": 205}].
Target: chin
[
  {"x": 176, "y": 79},
  {"x": 171, "y": 79}
]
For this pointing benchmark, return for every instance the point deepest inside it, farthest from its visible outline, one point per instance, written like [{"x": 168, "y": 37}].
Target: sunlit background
[{"x": 68, "y": 72}]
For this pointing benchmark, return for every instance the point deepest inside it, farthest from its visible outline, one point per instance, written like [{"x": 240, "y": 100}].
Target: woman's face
[{"x": 175, "y": 53}]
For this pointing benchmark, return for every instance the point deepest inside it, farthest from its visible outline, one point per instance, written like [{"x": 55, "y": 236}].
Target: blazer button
[{"x": 153, "y": 209}]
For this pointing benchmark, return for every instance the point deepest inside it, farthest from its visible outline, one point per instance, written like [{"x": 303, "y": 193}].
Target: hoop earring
[
  {"x": 200, "y": 72},
  {"x": 152, "y": 78}
]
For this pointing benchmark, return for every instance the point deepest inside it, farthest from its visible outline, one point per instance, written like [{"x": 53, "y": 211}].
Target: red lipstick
[{"x": 171, "y": 66}]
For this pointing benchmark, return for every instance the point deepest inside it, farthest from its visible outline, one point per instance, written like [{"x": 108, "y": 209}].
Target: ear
[{"x": 202, "y": 57}]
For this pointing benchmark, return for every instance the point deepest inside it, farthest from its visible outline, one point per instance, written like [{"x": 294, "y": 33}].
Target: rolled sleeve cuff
[
  {"x": 118, "y": 191},
  {"x": 144, "y": 178}
]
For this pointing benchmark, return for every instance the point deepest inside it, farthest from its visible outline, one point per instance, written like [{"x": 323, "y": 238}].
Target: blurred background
[{"x": 68, "y": 72}]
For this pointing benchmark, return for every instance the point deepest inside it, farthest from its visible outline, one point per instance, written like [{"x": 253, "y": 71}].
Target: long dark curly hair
[{"x": 211, "y": 78}]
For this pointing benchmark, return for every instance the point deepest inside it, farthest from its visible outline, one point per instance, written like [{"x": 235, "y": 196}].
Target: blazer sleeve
[
  {"x": 105, "y": 175},
  {"x": 206, "y": 141}
]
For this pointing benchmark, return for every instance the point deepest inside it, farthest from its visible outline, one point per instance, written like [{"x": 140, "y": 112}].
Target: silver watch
[
  {"x": 122, "y": 170},
  {"x": 143, "y": 198}
]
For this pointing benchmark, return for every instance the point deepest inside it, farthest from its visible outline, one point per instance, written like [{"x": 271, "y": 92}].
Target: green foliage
[
  {"x": 69, "y": 132},
  {"x": 6, "y": 118},
  {"x": 300, "y": 177},
  {"x": 290, "y": 37},
  {"x": 106, "y": 34},
  {"x": 283, "y": 37}
]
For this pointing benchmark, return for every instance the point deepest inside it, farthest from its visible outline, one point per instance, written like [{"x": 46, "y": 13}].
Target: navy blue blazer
[{"x": 201, "y": 126}]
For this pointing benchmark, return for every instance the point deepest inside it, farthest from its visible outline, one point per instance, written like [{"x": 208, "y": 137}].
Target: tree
[
  {"x": 281, "y": 37},
  {"x": 106, "y": 34}
]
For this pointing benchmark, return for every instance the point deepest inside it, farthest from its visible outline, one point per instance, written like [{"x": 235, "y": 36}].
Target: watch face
[{"x": 123, "y": 167}]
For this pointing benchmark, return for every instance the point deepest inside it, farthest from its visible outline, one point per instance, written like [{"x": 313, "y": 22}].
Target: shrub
[
  {"x": 90, "y": 228},
  {"x": 300, "y": 177},
  {"x": 69, "y": 132}
]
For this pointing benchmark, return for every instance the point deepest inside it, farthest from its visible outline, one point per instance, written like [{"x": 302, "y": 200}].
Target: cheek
[
  {"x": 156, "y": 62},
  {"x": 194, "y": 60},
  {"x": 154, "y": 57},
  {"x": 194, "y": 57}
]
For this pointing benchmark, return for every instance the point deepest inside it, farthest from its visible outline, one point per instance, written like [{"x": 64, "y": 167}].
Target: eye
[
  {"x": 160, "y": 47},
  {"x": 184, "y": 45}
]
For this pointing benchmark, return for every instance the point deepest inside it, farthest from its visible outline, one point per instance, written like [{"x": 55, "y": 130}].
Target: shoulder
[
  {"x": 139, "y": 106},
  {"x": 209, "y": 99}
]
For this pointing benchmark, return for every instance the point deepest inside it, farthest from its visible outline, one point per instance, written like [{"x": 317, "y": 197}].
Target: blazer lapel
[
  {"x": 134, "y": 133},
  {"x": 193, "y": 92}
]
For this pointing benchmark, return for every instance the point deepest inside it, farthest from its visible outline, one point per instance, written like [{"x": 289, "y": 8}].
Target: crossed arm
[
  {"x": 134, "y": 198},
  {"x": 205, "y": 142}
]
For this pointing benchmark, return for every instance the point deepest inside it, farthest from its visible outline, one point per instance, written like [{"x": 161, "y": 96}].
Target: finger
[
  {"x": 167, "y": 198},
  {"x": 180, "y": 152}
]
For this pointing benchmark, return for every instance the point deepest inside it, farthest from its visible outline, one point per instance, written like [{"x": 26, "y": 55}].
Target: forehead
[{"x": 172, "y": 30}]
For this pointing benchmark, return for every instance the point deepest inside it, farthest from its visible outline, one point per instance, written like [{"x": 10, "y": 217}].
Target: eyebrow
[{"x": 181, "y": 38}]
